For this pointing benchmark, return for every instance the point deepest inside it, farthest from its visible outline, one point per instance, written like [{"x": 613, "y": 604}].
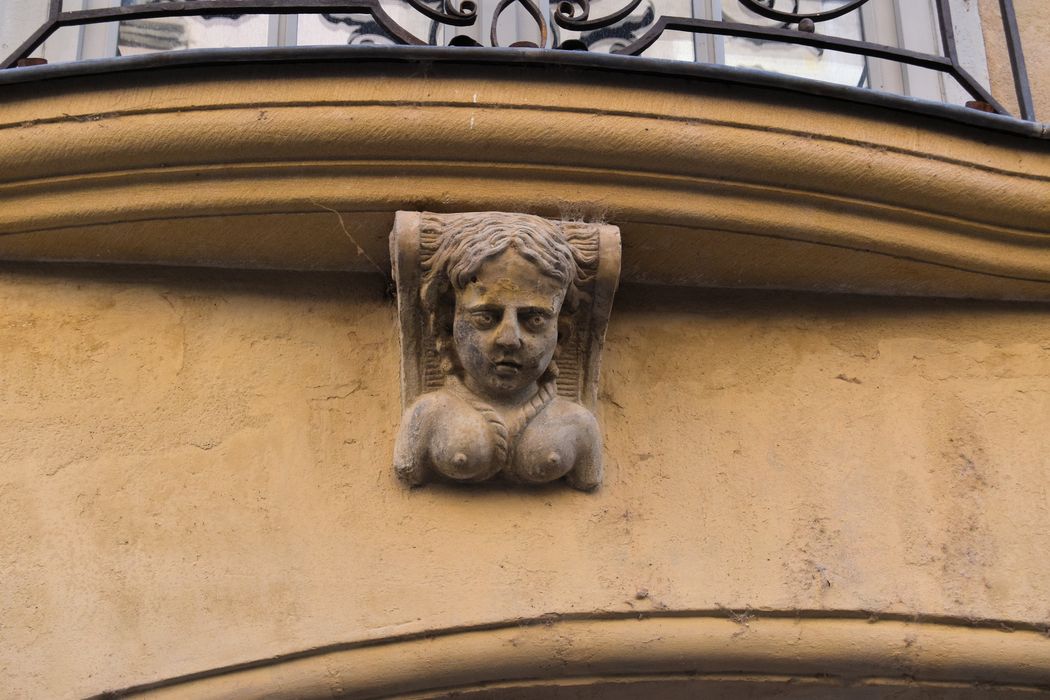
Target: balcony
[{"x": 881, "y": 45}]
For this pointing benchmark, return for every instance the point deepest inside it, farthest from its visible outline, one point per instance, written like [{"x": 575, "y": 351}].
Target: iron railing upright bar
[
  {"x": 951, "y": 51},
  {"x": 946, "y": 29},
  {"x": 1017, "y": 62}
]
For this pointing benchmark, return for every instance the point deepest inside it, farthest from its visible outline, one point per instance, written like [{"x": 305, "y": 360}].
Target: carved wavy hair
[{"x": 465, "y": 243}]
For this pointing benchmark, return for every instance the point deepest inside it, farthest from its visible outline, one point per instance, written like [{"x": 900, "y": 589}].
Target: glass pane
[
  {"x": 18, "y": 21},
  {"x": 328, "y": 28},
  {"x": 141, "y": 36},
  {"x": 70, "y": 5},
  {"x": 802, "y": 61},
  {"x": 61, "y": 47},
  {"x": 166, "y": 33}
]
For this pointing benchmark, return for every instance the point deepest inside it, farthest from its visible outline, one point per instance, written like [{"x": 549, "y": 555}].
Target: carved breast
[
  {"x": 546, "y": 449},
  {"x": 470, "y": 442},
  {"x": 462, "y": 445}
]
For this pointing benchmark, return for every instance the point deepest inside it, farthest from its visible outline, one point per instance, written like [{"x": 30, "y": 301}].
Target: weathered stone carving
[{"x": 502, "y": 322}]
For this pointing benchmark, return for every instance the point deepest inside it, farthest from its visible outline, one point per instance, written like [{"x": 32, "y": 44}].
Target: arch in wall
[{"x": 723, "y": 653}]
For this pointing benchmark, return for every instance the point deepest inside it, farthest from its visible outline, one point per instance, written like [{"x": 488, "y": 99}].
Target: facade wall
[
  {"x": 198, "y": 473},
  {"x": 196, "y": 463}
]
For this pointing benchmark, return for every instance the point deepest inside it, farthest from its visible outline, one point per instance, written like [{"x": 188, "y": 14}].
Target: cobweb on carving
[{"x": 572, "y": 350}]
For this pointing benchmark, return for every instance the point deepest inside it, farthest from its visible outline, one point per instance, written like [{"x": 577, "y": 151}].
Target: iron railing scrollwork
[{"x": 634, "y": 32}]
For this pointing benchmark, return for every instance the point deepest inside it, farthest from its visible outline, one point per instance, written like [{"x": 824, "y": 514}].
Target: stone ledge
[{"x": 711, "y": 184}]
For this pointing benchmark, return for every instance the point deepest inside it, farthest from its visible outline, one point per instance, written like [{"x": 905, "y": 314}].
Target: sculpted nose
[{"x": 508, "y": 335}]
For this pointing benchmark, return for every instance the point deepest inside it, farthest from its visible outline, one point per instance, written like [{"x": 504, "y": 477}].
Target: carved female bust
[{"x": 499, "y": 293}]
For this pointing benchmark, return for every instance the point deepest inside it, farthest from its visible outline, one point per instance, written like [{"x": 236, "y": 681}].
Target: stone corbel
[{"x": 502, "y": 320}]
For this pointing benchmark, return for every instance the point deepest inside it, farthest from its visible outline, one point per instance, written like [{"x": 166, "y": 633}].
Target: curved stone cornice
[
  {"x": 686, "y": 651},
  {"x": 712, "y": 183}
]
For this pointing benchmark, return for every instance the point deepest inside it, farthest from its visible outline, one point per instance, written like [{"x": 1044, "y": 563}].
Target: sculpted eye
[
  {"x": 483, "y": 319},
  {"x": 535, "y": 322}
]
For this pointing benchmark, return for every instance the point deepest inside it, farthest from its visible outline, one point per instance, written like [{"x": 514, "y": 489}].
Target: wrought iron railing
[{"x": 574, "y": 16}]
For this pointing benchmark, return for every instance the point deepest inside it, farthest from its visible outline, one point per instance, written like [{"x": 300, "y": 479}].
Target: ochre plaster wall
[{"x": 196, "y": 473}]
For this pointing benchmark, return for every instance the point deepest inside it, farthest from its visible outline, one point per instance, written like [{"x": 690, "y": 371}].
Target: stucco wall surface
[{"x": 197, "y": 472}]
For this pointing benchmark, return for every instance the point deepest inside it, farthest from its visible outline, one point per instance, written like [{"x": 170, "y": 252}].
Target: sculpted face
[{"x": 506, "y": 327}]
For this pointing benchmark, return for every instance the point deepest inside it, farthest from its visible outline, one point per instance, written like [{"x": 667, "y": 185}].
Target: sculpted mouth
[{"x": 507, "y": 367}]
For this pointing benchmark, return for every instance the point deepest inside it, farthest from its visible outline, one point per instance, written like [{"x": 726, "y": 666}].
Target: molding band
[
  {"x": 711, "y": 184},
  {"x": 716, "y": 644}
]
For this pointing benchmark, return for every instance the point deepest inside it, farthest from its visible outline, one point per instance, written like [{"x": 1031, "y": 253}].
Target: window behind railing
[{"x": 932, "y": 49}]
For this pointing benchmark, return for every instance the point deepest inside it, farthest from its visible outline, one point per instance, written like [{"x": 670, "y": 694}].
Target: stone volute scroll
[{"x": 502, "y": 320}]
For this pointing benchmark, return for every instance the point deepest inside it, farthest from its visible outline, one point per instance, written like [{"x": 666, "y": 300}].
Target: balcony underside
[{"x": 301, "y": 164}]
